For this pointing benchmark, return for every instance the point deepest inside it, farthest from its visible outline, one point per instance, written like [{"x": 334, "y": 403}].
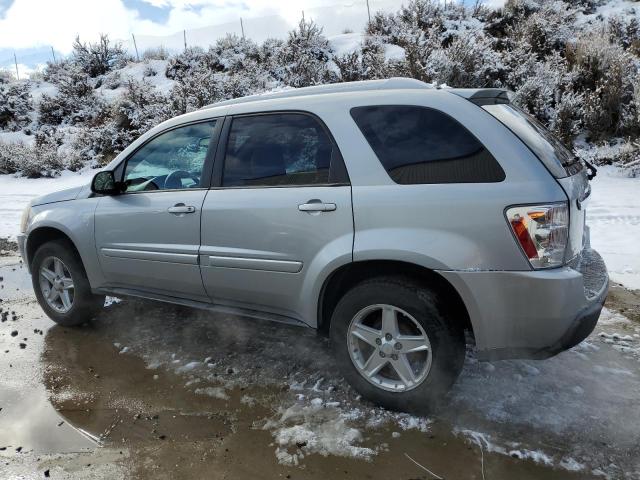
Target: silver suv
[{"x": 390, "y": 215}]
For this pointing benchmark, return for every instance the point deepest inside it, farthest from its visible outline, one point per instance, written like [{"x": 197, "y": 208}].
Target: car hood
[{"x": 61, "y": 196}]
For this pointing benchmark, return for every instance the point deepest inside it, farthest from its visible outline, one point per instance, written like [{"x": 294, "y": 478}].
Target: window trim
[
  {"x": 207, "y": 168},
  {"x": 504, "y": 174},
  {"x": 218, "y": 164}
]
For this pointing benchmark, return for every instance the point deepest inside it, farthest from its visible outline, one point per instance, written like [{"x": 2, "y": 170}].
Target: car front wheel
[
  {"x": 395, "y": 345},
  {"x": 61, "y": 285}
]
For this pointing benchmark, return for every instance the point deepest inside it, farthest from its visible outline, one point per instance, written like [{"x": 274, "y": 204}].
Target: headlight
[
  {"x": 542, "y": 232},
  {"x": 26, "y": 216}
]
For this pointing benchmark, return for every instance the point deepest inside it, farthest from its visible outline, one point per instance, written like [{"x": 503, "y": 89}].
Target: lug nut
[
  {"x": 398, "y": 346},
  {"x": 378, "y": 341},
  {"x": 394, "y": 357},
  {"x": 388, "y": 336},
  {"x": 382, "y": 354}
]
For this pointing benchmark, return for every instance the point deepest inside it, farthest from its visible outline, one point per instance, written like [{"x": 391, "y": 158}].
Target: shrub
[
  {"x": 96, "y": 59},
  {"x": 15, "y": 105},
  {"x": 304, "y": 57},
  {"x": 156, "y": 53}
]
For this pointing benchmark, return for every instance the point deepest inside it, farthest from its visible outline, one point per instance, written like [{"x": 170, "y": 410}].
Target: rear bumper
[{"x": 534, "y": 314}]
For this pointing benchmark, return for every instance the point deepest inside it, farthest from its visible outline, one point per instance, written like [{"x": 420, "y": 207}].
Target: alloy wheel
[
  {"x": 56, "y": 284},
  {"x": 389, "y": 347}
]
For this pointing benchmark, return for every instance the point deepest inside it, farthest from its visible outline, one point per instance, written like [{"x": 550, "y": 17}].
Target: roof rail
[{"x": 394, "y": 83}]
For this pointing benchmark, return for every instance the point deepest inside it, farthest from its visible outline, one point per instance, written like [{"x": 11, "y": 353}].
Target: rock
[{"x": 14, "y": 333}]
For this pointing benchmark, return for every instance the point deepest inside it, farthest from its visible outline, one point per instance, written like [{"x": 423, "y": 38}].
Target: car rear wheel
[
  {"x": 395, "y": 345},
  {"x": 61, "y": 285}
]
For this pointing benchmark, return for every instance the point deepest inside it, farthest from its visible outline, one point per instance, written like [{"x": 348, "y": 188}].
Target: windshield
[{"x": 560, "y": 161}]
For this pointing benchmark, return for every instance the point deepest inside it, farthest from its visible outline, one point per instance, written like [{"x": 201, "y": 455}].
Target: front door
[
  {"x": 148, "y": 237},
  {"x": 281, "y": 211}
]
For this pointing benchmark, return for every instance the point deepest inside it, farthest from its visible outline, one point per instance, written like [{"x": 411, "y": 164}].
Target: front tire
[
  {"x": 61, "y": 285},
  {"x": 395, "y": 345}
]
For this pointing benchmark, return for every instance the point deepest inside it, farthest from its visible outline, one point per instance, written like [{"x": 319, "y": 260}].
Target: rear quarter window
[{"x": 421, "y": 145}]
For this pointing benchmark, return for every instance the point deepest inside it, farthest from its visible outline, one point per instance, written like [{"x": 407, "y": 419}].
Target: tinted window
[
  {"x": 422, "y": 145},
  {"x": 277, "y": 149},
  {"x": 551, "y": 151},
  {"x": 172, "y": 160}
]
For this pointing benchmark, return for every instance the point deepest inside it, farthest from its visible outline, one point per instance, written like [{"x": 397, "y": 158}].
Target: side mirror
[{"x": 105, "y": 183}]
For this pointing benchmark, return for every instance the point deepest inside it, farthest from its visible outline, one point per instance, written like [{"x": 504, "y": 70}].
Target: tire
[
  {"x": 418, "y": 314},
  {"x": 81, "y": 304}
]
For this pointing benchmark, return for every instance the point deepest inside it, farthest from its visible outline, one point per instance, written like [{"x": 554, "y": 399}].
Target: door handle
[
  {"x": 181, "y": 209},
  {"x": 316, "y": 206}
]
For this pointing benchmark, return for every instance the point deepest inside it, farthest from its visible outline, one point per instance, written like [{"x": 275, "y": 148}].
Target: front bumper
[{"x": 533, "y": 314}]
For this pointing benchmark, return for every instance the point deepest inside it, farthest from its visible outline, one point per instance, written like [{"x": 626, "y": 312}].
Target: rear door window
[
  {"x": 282, "y": 149},
  {"x": 418, "y": 145}
]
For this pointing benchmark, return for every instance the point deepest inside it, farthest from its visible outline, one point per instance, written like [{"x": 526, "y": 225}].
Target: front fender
[{"x": 74, "y": 219}]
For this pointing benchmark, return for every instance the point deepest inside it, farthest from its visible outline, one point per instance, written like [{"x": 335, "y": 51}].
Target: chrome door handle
[
  {"x": 180, "y": 209},
  {"x": 317, "y": 206}
]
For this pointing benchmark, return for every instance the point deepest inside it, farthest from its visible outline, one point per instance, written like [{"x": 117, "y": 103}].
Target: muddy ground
[{"x": 149, "y": 390}]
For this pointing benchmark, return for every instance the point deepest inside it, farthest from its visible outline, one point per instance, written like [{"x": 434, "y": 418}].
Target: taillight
[{"x": 542, "y": 232}]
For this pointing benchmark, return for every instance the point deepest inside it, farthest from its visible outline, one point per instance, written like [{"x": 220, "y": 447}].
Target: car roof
[{"x": 300, "y": 98}]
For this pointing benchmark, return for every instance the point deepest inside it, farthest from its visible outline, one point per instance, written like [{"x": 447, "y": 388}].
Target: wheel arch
[
  {"x": 41, "y": 235},
  {"x": 346, "y": 276}
]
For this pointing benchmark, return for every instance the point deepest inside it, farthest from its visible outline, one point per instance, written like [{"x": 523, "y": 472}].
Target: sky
[{"x": 31, "y": 28}]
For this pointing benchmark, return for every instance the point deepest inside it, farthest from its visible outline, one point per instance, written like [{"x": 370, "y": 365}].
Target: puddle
[{"x": 153, "y": 391}]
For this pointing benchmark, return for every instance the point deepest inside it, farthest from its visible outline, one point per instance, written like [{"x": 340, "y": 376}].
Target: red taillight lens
[
  {"x": 542, "y": 232},
  {"x": 522, "y": 234}
]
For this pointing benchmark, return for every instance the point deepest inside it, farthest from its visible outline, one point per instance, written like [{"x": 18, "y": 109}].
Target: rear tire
[
  {"x": 362, "y": 342},
  {"x": 61, "y": 285}
]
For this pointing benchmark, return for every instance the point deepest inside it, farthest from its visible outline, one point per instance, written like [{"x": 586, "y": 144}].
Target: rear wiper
[{"x": 591, "y": 170}]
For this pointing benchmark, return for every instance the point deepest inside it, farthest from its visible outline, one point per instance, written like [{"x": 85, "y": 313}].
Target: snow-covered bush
[
  {"x": 607, "y": 74},
  {"x": 156, "y": 53},
  {"x": 233, "y": 54},
  {"x": 6, "y": 76},
  {"x": 15, "y": 105},
  {"x": 304, "y": 57},
  {"x": 75, "y": 101},
  {"x": 38, "y": 160},
  {"x": 622, "y": 153},
  {"x": 185, "y": 63},
  {"x": 468, "y": 61},
  {"x": 96, "y": 59},
  {"x": 137, "y": 110}
]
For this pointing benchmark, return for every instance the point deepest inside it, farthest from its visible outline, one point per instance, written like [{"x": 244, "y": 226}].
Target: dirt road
[{"x": 154, "y": 391}]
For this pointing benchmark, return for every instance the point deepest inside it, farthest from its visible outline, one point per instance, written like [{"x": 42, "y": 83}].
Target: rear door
[
  {"x": 280, "y": 211},
  {"x": 148, "y": 237}
]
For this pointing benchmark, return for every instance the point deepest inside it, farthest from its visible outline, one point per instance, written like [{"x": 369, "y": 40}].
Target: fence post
[
  {"x": 368, "y": 11},
  {"x": 242, "y": 27},
  {"x": 184, "y": 32},
  {"x": 16, "y": 62},
  {"x": 135, "y": 46},
  {"x": 53, "y": 54}
]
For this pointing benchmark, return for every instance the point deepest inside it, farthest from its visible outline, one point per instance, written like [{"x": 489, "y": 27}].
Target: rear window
[
  {"x": 560, "y": 161},
  {"x": 418, "y": 145}
]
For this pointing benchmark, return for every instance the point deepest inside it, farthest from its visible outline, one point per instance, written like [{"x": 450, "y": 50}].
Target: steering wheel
[{"x": 174, "y": 179}]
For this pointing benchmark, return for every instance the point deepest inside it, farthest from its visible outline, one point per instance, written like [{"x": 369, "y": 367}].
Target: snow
[
  {"x": 346, "y": 43},
  {"x": 315, "y": 428},
  {"x": 214, "y": 392},
  {"x": 613, "y": 215}
]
